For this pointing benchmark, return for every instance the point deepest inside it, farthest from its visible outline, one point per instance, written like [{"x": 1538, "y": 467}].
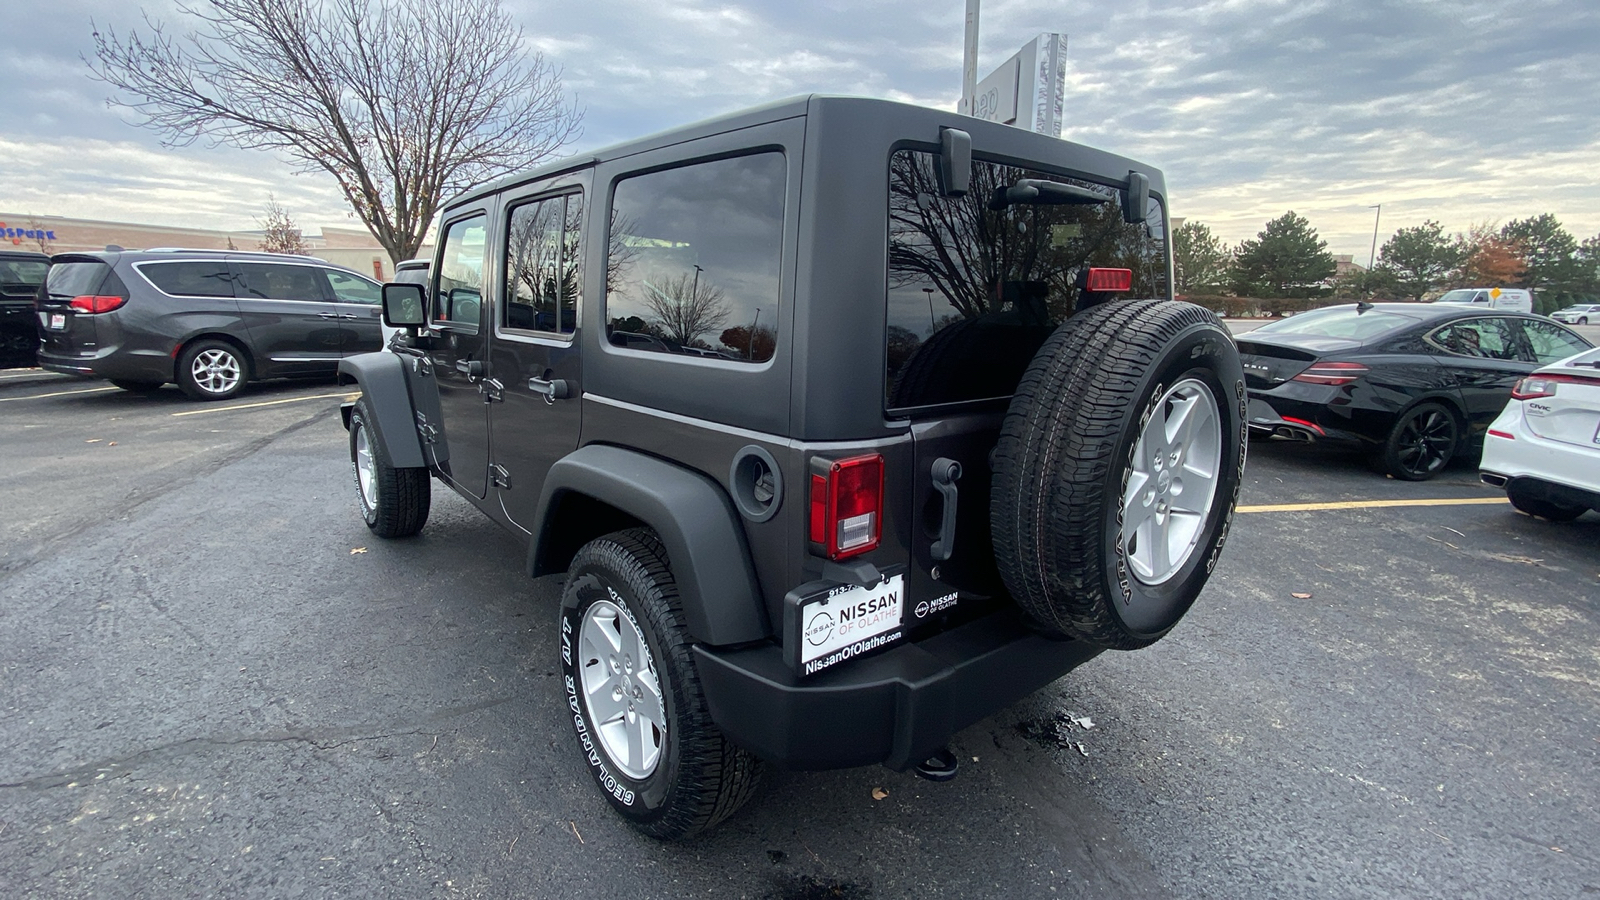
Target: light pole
[
  {"x": 750, "y": 345},
  {"x": 1372, "y": 262},
  {"x": 694, "y": 290}
]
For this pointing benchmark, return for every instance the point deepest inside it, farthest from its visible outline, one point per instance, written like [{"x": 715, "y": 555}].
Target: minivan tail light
[
  {"x": 1335, "y": 373},
  {"x": 1115, "y": 280},
  {"x": 96, "y": 303},
  {"x": 1535, "y": 386},
  {"x": 846, "y": 515}
]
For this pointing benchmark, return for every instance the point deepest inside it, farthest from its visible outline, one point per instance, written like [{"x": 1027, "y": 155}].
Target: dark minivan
[{"x": 209, "y": 321}]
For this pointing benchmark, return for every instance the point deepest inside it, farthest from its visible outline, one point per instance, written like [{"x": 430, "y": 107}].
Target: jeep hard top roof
[{"x": 920, "y": 123}]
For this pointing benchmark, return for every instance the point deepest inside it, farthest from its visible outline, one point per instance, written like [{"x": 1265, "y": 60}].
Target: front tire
[
  {"x": 212, "y": 370},
  {"x": 1117, "y": 471},
  {"x": 1421, "y": 443},
  {"x": 394, "y": 502},
  {"x": 638, "y": 710}
]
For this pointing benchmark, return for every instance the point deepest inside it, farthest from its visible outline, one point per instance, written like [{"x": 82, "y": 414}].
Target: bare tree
[
  {"x": 279, "y": 233},
  {"x": 684, "y": 308},
  {"x": 403, "y": 102},
  {"x": 43, "y": 238}
]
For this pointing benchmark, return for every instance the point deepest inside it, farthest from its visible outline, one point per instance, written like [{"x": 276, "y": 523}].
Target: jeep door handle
[
  {"x": 945, "y": 474},
  {"x": 327, "y": 315},
  {"x": 552, "y": 389}
]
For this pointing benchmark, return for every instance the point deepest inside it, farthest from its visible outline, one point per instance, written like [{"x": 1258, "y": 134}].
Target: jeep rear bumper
[{"x": 895, "y": 708}]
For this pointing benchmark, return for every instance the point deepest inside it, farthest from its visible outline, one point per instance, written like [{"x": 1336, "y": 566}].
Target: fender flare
[
  {"x": 696, "y": 521},
  {"x": 382, "y": 379}
]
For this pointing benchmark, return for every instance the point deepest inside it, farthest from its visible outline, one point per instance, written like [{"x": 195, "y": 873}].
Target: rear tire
[
  {"x": 638, "y": 710},
  {"x": 212, "y": 370},
  {"x": 1117, "y": 471},
  {"x": 138, "y": 387},
  {"x": 1420, "y": 444},
  {"x": 394, "y": 502},
  {"x": 1540, "y": 508}
]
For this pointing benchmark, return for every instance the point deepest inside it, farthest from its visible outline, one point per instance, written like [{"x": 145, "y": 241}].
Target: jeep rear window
[
  {"x": 974, "y": 291},
  {"x": 692, "y": 263}
]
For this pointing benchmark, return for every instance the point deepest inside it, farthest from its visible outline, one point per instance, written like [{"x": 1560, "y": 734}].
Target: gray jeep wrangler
[{"x": 839, "y": 419}]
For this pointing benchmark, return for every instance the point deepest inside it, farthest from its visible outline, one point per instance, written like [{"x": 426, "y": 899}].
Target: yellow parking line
[
  {"x": 60, "y": 394},
  {"x": 212, "y": 409},
  {"x": 1372, "y": 504}
]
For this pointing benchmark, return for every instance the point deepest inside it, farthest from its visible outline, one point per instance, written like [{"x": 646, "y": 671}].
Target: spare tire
[{"x": 1117, "y": 471}]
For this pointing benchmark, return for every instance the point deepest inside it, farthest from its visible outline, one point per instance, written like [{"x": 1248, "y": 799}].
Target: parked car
[
  {"x": 1544, "y": 448},
  {"x": 210, "y": 321},
  {"x": 1509, "y": 299},
  {"x": 1413, "y": 384},
  {"x": 1579, "y": 314},
  {"x": 835, "y": 465},
  {"x": 21, "y": 273}
]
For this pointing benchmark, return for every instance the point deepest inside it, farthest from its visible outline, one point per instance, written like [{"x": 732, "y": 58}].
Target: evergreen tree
[{"x": 1287, "y": 259}]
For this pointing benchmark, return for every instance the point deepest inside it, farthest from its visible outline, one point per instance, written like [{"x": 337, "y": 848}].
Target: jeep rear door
[
  {"x": 975, "y": 286},
  {"x": 535, "y": 370}
]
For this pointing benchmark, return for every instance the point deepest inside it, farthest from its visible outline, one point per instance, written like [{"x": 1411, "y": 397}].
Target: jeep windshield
[{"x": 976, "y": 283}]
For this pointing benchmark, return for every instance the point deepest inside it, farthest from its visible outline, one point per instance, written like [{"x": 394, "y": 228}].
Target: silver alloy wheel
[
  {"x": 215, "y": 371},
  {"x": 621, "y": 691},
  {"x": 366, "y": 469},
  {"x": 1173, "y": 482}
]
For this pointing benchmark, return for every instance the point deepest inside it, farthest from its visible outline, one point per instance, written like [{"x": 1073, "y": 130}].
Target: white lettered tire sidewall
[{"x": 641, "y": 801}]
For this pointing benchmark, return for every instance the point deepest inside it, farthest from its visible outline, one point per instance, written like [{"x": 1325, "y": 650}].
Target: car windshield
[
  {"x": 1461, "y": 296},
  {"x": 1339, "y": 321}
]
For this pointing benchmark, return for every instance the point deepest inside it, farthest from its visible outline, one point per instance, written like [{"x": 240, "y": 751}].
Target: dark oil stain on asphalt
[{"x": 807, "y": 887}]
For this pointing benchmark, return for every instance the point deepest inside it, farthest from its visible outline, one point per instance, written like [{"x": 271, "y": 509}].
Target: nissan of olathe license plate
[{"x": 827, "y": 623}]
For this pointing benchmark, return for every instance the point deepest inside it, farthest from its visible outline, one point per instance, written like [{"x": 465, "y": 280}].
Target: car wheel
[
  {"x": 1117, "y": 471},
  {"x": 138, "y": 387},
  {"x": 1421, "y": 443},
  {"x": 394, "y": 502},
  {"x": 212, "y": 370},
  {"x": 1541, "y": 508},
  {"x": 640, "y": 716},
  {"x": 1583, "y": 320}
]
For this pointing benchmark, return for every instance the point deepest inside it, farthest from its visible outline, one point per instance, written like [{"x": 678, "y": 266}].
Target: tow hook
[{"x": 941, "y": 766}]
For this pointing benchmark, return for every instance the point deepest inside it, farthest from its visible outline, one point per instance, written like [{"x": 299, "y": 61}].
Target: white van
[{"x": 1513, "y": 299}]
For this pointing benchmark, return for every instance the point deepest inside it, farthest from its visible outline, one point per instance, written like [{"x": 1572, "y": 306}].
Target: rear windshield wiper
[{"x": 1038, "y": 192}]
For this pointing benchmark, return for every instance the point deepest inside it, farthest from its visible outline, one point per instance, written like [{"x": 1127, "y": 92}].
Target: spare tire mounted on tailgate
[{"x": 1117, "y": 471}]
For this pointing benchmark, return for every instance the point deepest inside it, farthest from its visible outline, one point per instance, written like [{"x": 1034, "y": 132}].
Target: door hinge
[
  {"x": 424, "y": 366},
  {"x": 428, "y": 433},
  {"x": 499, "y": 476},
  {"x": 492, "y": 390}
]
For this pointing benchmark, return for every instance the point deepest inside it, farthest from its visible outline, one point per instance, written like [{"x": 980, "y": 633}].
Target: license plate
[
  {"x": 843, "y": 622},
  {"x": 58, "y": 321}
]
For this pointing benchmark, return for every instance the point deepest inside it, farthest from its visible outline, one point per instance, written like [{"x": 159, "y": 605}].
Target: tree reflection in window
[
  {"x": 974, "y": 291},
  {"x": 542, "y": 265}
]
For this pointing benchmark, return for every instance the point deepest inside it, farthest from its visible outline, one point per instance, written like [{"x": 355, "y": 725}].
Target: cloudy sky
[{"x": 1463, "y": 111}]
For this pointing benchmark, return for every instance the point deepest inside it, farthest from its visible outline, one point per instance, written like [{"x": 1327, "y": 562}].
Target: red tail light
[
  {"x": 846, "y": 505},
  {"x": 1110, "y": 280},
  {"x": 1332, "y": 373},
  {"x": 97, "y": 303},
  {"x": 1535, "y": 386}
]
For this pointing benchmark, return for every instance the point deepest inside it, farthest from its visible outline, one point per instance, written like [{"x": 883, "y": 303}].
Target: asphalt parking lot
[{"x": 214, "y": 681}]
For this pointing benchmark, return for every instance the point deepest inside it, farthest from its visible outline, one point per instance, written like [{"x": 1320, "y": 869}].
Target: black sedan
[{"x": 1414, "y": 384}]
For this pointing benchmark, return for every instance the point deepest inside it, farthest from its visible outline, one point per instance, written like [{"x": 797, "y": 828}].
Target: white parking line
[
  {"x": 212, "y": 409},
  {"x": 1372, "y": 504},
  {"x": 60, "y": 394}
]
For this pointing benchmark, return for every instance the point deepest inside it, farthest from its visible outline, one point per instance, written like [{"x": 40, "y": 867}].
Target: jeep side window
[
  {"x": 974, "y": 290},
  {"x": 459, "y": 291},
  {"x": 542, "y": 276},
  {"x": 693, "y": 259}
]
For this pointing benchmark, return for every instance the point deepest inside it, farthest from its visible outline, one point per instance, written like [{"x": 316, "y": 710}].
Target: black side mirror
[
  {"x": 403, "y": 305},
  {"x": 955, "y": 162},
  {"x": 1137, "y": 198}
]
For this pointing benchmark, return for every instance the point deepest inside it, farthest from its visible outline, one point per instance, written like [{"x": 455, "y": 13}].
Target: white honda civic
[{"x": 1544, "y": 449}]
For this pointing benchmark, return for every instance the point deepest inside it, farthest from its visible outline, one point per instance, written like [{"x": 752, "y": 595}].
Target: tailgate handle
[{"x": 945, "y": 474}]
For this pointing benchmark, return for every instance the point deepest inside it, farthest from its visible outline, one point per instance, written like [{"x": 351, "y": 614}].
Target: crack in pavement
[{"x": 319, "y": 738}]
